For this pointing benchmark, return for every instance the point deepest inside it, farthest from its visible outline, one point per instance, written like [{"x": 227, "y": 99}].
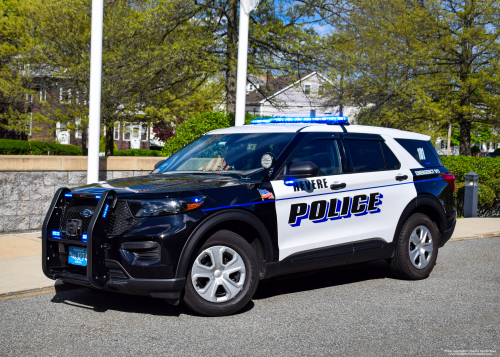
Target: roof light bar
[{"x": 313, "y": 120}]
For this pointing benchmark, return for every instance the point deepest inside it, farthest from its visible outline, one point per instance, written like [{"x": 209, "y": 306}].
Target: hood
[{"x": 171, "y": 185}]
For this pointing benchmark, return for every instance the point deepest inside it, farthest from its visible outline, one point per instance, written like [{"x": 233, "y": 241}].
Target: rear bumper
[{"x": 119, "y": 281}]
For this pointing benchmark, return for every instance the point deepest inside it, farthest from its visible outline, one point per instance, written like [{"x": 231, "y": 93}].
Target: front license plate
[{"x": 77, "y": 256}]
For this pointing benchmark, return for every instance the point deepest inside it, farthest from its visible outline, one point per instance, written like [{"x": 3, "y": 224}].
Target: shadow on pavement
[
  {"x": 102, "y": 301},
  {"x": 330, "y": 277}
]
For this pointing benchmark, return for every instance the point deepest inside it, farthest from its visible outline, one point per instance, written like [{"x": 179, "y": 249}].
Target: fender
[
  {"x": 205, "y": 226},
  {"x": 420, "y": 200}
]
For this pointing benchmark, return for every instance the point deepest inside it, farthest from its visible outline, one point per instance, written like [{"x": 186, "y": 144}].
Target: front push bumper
[{"x": 100, "y": 273}]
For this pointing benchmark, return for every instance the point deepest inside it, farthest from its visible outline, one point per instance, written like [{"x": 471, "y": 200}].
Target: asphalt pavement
[{"x": 360, "y": 311}]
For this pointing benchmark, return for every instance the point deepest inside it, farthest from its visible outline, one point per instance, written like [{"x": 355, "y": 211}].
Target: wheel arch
[
  {"x": 428, "y": 205},
  {"x": 238, "y": 221}
]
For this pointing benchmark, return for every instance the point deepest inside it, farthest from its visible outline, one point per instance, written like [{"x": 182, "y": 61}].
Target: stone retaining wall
[{"x": 25, "y": 195}]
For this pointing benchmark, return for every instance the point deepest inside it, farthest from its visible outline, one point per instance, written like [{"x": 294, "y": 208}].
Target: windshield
[{"x": 235, "y": 153}]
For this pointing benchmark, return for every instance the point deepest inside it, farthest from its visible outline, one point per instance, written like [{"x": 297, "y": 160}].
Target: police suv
[{"x": 247, "y": 203}]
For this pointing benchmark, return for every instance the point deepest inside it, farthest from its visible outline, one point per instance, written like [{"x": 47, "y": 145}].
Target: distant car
[
  {"x": 491, "y": 154},
  {"x": 247, "y": 203}
]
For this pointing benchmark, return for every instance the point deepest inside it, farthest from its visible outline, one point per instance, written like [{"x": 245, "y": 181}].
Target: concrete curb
[
  {"x": 57, "y": 287},
  {"x": 487, "y": 235}
]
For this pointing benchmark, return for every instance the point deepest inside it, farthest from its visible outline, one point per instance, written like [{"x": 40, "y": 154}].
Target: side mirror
[
  {"x": 302, "y": 169},
  {"x": 159, "y": 163}
]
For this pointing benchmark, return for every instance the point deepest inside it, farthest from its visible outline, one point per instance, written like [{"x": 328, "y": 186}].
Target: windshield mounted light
[{"x": 164, "y": 206}]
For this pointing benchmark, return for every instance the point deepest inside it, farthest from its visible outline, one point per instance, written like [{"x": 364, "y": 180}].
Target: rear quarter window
[{"x": 422, "y": 151}]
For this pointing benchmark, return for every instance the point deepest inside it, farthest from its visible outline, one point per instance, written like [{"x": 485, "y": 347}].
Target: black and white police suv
[{"x": 247, "y": 203}]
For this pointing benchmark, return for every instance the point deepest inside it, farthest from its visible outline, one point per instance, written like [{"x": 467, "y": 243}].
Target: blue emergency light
[
  {"x": 84, "y": 237},
  {"x": 306, "y": 120},
  {"x": 68, "y": 195},
  {"x": 56, "y": 234}
]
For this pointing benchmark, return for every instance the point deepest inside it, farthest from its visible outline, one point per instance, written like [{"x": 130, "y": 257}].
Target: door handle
[
  {"x": 401, "y": 177},
  {"x": 337, "y": 186}
]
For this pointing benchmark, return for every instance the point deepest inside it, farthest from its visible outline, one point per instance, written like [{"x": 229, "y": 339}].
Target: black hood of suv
[{"x": 166, "y": 185}]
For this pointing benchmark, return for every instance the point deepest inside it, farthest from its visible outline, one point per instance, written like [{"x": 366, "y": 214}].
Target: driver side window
[{"x": 324, "y": 154}]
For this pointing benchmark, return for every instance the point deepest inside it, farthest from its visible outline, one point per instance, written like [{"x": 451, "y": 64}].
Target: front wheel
[
  {"x": 223, "y": 277},
  {"x": 417, "y": 248}
]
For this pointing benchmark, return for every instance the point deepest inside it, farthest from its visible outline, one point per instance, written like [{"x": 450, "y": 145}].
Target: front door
[
  {"x": 312, "y": 214},
  {"x": 135, "y": 139}
]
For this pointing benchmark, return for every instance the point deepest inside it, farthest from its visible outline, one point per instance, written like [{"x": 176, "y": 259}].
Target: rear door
[{"x": 380, "y": 186}]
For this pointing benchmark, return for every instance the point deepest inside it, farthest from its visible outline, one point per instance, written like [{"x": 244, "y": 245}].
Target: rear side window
[
  {"x": 422, "y": 151},
  {"x": 367, "y": 156}
]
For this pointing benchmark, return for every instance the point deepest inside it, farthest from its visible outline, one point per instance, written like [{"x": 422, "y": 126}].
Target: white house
[
  {"x": 295, "y": 96},
  {"x": 442, "y": 147}
]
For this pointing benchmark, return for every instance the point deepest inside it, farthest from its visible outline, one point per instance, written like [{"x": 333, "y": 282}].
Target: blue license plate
[{"x": 77, "y": 256}]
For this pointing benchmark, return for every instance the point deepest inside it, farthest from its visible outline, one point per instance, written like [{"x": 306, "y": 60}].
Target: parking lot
[{"x": 359, "y": 311}]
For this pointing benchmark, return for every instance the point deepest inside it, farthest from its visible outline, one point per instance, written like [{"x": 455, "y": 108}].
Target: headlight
[{"x": 164, "y": 206}]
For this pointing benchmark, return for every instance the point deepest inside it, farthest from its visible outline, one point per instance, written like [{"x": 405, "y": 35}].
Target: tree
[
  {"x": 153, "y": 59},
  {"x": 282, "y": 39},
  {"x": 14, "y": 72},
  {"x": 417, "y": 64}
]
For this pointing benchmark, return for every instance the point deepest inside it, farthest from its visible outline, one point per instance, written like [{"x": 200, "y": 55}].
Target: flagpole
[
  {"x": 94, "y": 132},
  {"x": 246, "y": 7}
]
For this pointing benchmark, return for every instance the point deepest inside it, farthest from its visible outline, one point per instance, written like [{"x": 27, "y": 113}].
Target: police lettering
[{"x": 323, "y": 210}]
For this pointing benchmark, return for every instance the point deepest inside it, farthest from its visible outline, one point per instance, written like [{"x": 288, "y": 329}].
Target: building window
[
  {"x": 78, "y": 129},
  {"x": 64, "y": 95},
  {"x": 443, "y": 144},
  {"x": 321, "y": 90},
  {"x": 116, "y": 132},
  {"x": 29, "y": 98},
  {"x": 144, "y": 132},
  {"x": 126, "y": 133},
  {"x": 29, "y": 125},
  {"x": 43, "y": 95},
  {"x": 307, "y": 89}
]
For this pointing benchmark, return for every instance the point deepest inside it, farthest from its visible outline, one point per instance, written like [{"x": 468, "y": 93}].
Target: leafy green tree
[
  {"x": 282, "y": 39},
  {"x": 418, "y": 64},
  {"x": 14, "y": 71},
  {"x": 153, "y": 60}
]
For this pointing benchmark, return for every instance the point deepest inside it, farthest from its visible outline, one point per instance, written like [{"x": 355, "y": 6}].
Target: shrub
[
  {"x": 138, "y": 152},
  {"x": 193, "y": 128},
  {"x": 488, "y": 168},
  {"x": 22, "y": 147},
  {"x": 495, "y": 186},
  {"x": 485, "y": 200}
]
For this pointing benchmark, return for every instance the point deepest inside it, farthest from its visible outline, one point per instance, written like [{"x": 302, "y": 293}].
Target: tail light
[{"x": 450, "y": 179}]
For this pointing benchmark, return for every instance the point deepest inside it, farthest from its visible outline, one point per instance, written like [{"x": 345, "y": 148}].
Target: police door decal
[
  {"x": 334, "y": 209},
  {"x": 312, "y": 217}
]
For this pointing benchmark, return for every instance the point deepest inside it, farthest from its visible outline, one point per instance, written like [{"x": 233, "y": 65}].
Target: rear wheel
[
  {"x": 223, "y": 277},
  {"x": 417, "y": 249}
]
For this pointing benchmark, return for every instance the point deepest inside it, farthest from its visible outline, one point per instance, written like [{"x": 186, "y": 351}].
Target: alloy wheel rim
[
  {"x": 218, "y": 274},
  {"x": 420, "y": 247}
]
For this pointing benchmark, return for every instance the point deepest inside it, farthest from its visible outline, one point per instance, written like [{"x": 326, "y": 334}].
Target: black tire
[
  {"x": 232, "y": 240},
  {"x": 401, "y": 265}
]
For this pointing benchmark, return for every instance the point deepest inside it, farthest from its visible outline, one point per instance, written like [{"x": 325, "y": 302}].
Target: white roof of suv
[{"x": 307, "y": 127}]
